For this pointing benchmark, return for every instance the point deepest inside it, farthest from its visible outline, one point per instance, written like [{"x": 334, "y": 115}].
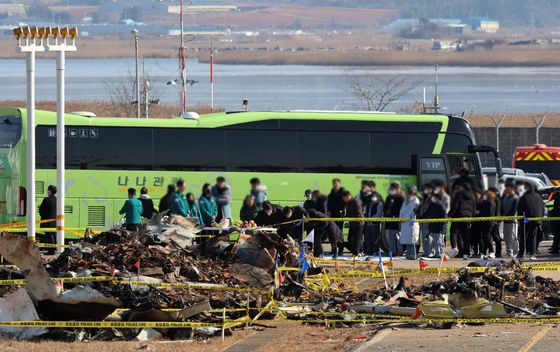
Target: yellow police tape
[
  {"x": 124, "y": 324},
  {"x": 422, "y": 221},
  {"x": 51, "y": 245},
  {"x": 232, "y": 323}
]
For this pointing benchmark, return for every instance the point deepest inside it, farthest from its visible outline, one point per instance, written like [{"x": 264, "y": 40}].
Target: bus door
[
  {"x": 459, "y": 162},
  {"x": 432, "y": 168}
]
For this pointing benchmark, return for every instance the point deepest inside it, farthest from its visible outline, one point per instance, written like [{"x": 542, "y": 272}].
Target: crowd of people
[{"x": 468, "y": 239}]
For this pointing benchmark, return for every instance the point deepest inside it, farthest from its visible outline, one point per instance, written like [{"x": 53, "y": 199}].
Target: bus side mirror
[{"x": 493, "y": 151}]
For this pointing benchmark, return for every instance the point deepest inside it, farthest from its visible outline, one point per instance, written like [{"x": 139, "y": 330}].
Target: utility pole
[
  {"x": 29, "y": 42},
  {"x": 137, "y": 80},
  {"x": 183, "y": 61},
  {"x": 211, "y": 76},
  {"x": 436, "y": 98},
  {"x": 60, "y": 47},
  {"x": 499, "y": 125}
]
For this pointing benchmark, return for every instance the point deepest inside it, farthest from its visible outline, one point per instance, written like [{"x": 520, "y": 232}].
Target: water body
[{"x": 462, "y": 89}]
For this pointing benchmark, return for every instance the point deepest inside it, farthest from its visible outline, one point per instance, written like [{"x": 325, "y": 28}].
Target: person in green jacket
[
  {"x": 249, "y": 210},
  {"x": 132, "y": 209},
  {"x": 180, "y": 205},
  {"x": 207, "y": 205},
  {"x": 194, "y": 211}
]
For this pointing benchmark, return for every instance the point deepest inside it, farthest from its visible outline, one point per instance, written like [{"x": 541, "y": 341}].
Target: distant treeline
[{"x": 533, "y": 13}]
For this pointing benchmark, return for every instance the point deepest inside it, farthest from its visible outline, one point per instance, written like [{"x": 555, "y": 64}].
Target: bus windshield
[{"x": 10, "y": 131}]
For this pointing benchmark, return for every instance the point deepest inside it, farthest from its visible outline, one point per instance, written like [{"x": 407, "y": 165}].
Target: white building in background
[{"x": 13, "y": 10}]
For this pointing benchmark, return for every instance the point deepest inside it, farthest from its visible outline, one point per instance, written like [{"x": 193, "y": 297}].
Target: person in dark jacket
[
  {"x": 166, "y": 201},
  {"x": 249, "y": 209},
  {"x": 335, "y": 204},
  {"x": 489, "y": 209},
  {"x": 323, "y": 229},
  {"x": 463, "y": 205},
  {"x": 222, "y": 194},
  {"x": 373, "y": 208},
  {"x": 530, "y": 205},
  {"x": 147, "y": 204},
  {"x": 47, "y": 211},
  {"x": 308, "y": 202},
  {"x": 464, "y": 178},
  {"x": 555, "y": 225},
  {"x": 476, "y": 230},
  {"x": 356, "y": 228},
  {"x": 269, "y": 215},
  {"x": 392, "y": 209},
  {"x": 319, "y": 201},
  {"x": 437, "y": 229}
]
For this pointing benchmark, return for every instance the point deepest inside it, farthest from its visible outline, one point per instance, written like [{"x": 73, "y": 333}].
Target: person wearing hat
[
  {"x": 392, "y": 208},
  {"x": 47, "y": 211},
  {"x": 410, "y": 231},
  {"x": 308, "y": 202}
]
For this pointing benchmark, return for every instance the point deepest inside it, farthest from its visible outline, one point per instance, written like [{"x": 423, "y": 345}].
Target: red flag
[
  {"x": 444, "y": 258},
  {"x": 423, "y": 264},
  {"x": 417, "y": 313},
  {"x": 137, "y": 264},
  {"x": 280, "y": 277}
]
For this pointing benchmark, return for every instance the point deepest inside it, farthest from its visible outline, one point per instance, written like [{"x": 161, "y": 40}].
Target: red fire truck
[{"x": 539, "y": 158}]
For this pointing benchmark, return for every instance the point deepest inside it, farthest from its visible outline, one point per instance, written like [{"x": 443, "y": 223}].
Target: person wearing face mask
[
  {"x": 207, "y": 205},
  {"x": 501, "y": 188},
  {"x": 410, "y": 231},
  {"x": 520, "y": 187},
  {"x": 437, "y": 229},
  {"x": 509, "y": 208},
  {"x": 373, "y": 208},
  {"x": 392, "y": 208},
  {"x": 427, "y": 193},
  {"x": 194, "y": 211}
]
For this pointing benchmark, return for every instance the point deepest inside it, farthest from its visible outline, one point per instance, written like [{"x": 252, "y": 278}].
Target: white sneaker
[
  {"x": 465, "y": 257},
  {"x": 533, "y": 258},
  {"x": 492, "y": 256},
  {"x": 453, "y": 252}
]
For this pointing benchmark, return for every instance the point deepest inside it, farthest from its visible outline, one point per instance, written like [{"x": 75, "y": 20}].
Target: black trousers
[
  {"x": 461, "y": 230},
  {"x": 528, "y": 238},
  {"x": 555, "y": 227},
  {"x": 497, "y": 239},
  {"x": 476, "y": 234},
  {"x": 372, "y": 237},
  {"x": 318, "y": 244},
  {"x": 355, "y": 239},
  {"x": 132, "y": 227},
  {"x": 487, "y": 235}
]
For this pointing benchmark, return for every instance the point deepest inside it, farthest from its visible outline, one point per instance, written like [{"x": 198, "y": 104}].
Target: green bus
[{"x": 288, "y": 151}]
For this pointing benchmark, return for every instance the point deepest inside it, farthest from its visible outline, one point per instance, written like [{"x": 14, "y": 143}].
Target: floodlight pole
[
  {"x": 27, "y": 43},
  {"x": 137, "y": 81},
  {"x": 60, "y": 47}
]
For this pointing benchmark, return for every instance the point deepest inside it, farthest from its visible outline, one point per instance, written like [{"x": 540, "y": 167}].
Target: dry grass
[
  {"x": 105, "y": 108},
  {"x": 350, "y": 49},
  {"x": 213, "y": 345},
  {"x": 315, "y": 338},
  {"x": 504, "y": 57}
]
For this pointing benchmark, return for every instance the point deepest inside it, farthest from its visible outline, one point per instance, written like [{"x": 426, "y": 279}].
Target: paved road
[{"x": 506, "y": 337}]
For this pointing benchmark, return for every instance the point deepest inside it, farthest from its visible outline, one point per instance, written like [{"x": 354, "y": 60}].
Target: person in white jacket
[{"x": 410, "y": 230}]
